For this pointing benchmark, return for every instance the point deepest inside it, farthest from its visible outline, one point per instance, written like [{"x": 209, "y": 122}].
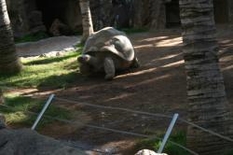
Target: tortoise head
[{"x": 85, "y": 58}]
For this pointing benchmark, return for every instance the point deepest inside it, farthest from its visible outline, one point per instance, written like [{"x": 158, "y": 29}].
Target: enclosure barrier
[
  {"x": 78, "y": 123},
  {"x": 42, "y": 112},
  {"x": 120, "y": 131},
  {"x": 147, "y": 113}
]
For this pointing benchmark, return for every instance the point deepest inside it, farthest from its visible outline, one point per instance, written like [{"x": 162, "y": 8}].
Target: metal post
[
  {"x": 169, "y": 130},
  {"x": 42, "y": 111}
]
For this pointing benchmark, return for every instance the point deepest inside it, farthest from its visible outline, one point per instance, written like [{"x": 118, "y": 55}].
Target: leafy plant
[{"x": 154, "y": 144}]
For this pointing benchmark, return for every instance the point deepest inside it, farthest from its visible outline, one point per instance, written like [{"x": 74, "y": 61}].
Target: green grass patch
[
  {"x": 154, "y": 144},
  {"x": 18, "y": 114},
  {"x": 54, "y": 72},
  {"x": 229, "y": 152}
]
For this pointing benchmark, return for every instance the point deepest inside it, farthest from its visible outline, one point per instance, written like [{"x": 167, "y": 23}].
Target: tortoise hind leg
[{"x": 109, "y": 68}]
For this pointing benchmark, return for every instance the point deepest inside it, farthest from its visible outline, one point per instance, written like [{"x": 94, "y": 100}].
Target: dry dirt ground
[{"x": 158, "y": 86}]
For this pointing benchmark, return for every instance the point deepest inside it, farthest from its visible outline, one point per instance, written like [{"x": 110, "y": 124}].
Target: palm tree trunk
[
  {"x": 86, "y": 19},
  {"x": 208, "y": 105},
  {"x": 9, "y": 62}
]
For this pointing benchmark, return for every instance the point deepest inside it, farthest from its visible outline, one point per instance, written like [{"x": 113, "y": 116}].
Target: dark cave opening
[
  {"x": 172, "y": 14},
  {"x": 52, "y": 10},
  {"x": 221, "y": 11}
]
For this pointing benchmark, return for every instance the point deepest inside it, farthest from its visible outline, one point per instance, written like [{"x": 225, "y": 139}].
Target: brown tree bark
[
  {"x": 9, "y": 62},
  {"x": 86, "y": 19},
  {"x": 208, "y": 105}
]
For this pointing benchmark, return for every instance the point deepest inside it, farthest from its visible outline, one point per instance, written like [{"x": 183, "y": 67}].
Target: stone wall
[
  {"x": 230, "y": 11},
  {"x": 17, "y": 16},
  {"x": 73, "y": 16},
  {"x": 115, "y": 13},
  {"x": 31, "y": 16},
  {"x": 129, "y": 13},
  {"x": 101, "y": 13},
  {"x": 148, "y": 13}
]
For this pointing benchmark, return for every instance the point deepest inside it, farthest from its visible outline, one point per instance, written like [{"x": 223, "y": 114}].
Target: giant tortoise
[{"x": 107, "y": 50}]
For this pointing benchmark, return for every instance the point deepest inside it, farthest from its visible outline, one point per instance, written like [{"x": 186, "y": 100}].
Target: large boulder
[{"x": 29, "y": 142}]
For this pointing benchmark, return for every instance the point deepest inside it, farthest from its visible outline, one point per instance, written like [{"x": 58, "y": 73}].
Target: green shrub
[{"x": 171, "y": 149}]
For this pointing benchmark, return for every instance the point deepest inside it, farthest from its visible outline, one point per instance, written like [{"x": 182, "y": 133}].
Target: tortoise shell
[{"x": 110, "y": 40}]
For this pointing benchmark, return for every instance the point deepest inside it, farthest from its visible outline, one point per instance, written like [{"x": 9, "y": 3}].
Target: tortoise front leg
[
  {"x": 85, "y": 69},
  {"x": 109, "y": 68},
  {"x": 135, "y": 63}
]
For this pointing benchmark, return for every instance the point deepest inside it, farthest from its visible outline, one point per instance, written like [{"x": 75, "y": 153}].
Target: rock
[
  {"x": 29, "y": 142},
  {"x": 58, "y": 28},
  {"x": 148, "y": 152},
  {"x": 2, "y": 121},
  {"x": 35, "y": 22},
  {"x": 122, "y": 14}
]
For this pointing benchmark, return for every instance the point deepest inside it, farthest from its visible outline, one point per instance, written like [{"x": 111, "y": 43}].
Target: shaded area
[
  {"x": 52, "y": 11},
  {"x": 61, "y": 17},
  {"x": 172, "y": 14},
  {"x": 221, "y": 12}
]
